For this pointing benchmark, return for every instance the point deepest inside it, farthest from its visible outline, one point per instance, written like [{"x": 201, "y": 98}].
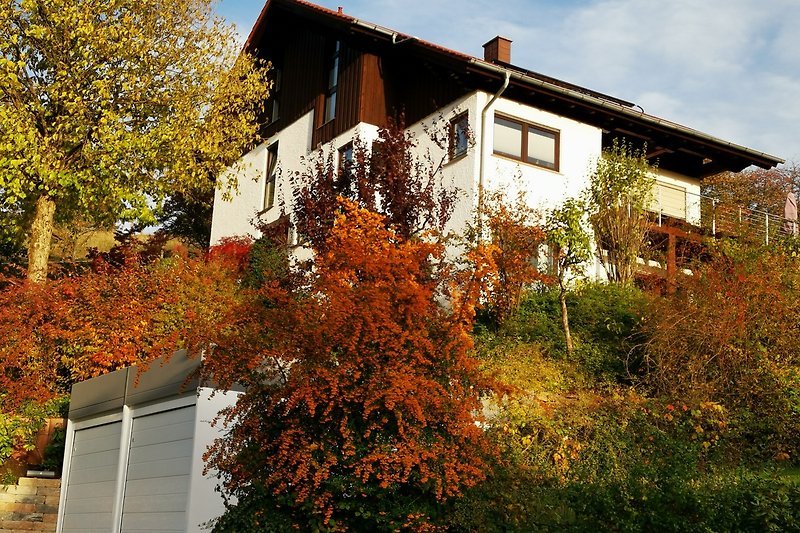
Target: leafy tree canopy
[
  {"x": 109, "y": 106},
  {"x": 619, "y": 194}
]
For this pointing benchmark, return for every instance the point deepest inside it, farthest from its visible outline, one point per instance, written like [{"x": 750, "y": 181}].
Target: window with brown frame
[
  {"x": 526, "y": 142},
  {"x": 459, "y": 136}
]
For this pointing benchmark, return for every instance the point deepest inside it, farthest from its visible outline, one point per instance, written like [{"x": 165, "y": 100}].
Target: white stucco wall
[
  {"x": 580, "y": 145},
  {"x": 460, "y": 174},
  {"x": 205, "y": 503},
  {"x": 246, "y": 181}
]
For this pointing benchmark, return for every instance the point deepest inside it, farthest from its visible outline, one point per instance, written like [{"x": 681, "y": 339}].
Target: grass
[{"x": 791, "y": 474}]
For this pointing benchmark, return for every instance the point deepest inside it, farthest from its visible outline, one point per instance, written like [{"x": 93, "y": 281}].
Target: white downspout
[{"x": 482, "y": 158}]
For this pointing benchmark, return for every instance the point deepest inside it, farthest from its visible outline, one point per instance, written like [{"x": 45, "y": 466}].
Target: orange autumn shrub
[
  {"x": 516, "y": 238},
  {"x": 87, "y": 324},
  {"x": 361, "y": 399}
]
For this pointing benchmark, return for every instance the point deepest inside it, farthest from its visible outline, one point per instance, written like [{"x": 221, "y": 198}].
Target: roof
[{"x": 610, "y": 113}]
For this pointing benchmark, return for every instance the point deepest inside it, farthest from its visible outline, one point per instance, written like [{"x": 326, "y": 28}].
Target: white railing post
[
  {"x": 714, "y": 217},
  {"x": 766, "y": 227},
  {"x": 660, "y": 207}
]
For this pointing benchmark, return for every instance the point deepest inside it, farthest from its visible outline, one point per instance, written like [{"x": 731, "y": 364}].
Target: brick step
[{"x": 31, "y": 505}]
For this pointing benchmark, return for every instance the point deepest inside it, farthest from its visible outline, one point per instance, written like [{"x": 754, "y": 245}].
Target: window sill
[
  {"x": 456, "y": 159},
  {"x": 527, "y": 164}
]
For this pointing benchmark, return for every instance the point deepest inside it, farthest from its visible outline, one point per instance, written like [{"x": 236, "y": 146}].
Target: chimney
[{"x": 498, "y": 50}]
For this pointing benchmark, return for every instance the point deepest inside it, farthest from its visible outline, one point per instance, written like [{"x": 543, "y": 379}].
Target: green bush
[
  {"x": 604, "y": 319},
  {"x": 18, "y": 430},
  {"x": 624, "y": 464}
]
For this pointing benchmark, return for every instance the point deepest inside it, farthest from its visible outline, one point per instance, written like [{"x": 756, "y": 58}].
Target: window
[
  {"x": 459, "y": 136},
  {"x": 669, "y": 200},
  {"x": 526, "y": 142},
  {"x": 275, "y": 113},
  {"x": 333, "y": 83},
  {"x": 345, "y": 160},
  {"x": 271, "y": 176}
]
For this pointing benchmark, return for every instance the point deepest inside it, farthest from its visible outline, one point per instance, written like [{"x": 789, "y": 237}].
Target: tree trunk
[
  {"x": 562, "y": 298},
  {"x": 40, "y": 237}
]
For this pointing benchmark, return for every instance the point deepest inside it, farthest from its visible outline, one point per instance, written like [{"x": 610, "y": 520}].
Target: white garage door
[
  {"x": 159, "y": 464},
  {"x": 92, "y": 479}
]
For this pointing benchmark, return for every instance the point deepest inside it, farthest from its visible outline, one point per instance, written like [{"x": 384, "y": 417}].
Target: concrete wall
[
  {"x": 31, "y": 505},
  {"x": 205, "y": 503}
]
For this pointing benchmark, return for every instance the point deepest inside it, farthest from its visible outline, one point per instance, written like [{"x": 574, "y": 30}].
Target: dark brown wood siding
[
  {"x": 418, "y": 88},
  {"x": 300, "y": 53},
  {"x": 375, "y": 81},
  {"x": 373, "y": 108},
  {"x": 347, "y": 96}
]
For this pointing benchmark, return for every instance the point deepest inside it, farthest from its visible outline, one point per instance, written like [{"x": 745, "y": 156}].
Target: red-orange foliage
[
  {"x": 516, "y": 238},
  {"x": 80, "y": 326},
  {"x": 756, "y": 188},
  {"x": 731, "y": 333},
  {"x": 387, "y": 178},
  {"x": 361, "y": 402}
]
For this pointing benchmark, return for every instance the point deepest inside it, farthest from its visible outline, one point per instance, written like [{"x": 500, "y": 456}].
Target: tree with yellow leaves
[{"x": 109, "y": 106}]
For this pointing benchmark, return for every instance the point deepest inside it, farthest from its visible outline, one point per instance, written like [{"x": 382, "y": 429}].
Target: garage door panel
[
  {"x": 91, "y": 481},
  {"x": 97, "y": 439},
  {"x": 161, "y": 503},
  {"x": 96, "y": 460},
  {"x": 155, "y": 470},
  {"x": 164, "y": 419},
  {"x": 159, "y": 465},
  {"x": 90, "y": 504},
  {"x": 170, "y": 485},
  {"x": 153, "y": 521},
  {"x": 85, "y": 523},
  {"x": 101, "y": 474},
  {"x": 178, "y": 431},
  {"x": 155, "y": 452},
  {"x": 88, "y": 490}
]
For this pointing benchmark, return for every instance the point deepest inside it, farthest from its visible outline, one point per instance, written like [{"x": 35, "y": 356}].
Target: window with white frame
[
  {"x": 333, "y": 82},
  {"x": 459, "y": 136},
  {"x": 526, "y": 142},
  {"x": 271, "y": 176}
]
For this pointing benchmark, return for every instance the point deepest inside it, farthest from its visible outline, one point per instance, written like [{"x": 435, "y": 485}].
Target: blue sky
[{"x": 730, "y": 68}]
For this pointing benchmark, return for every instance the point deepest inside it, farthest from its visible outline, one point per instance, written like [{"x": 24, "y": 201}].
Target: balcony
[{"x": 680, "y": 220}]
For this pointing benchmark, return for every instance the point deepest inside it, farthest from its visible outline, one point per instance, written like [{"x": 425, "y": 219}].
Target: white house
[{"x": 338, "y": 77}]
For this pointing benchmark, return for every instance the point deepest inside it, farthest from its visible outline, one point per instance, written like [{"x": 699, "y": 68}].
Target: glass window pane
[
  {"x": 330, "y": 107},
  {"x": 541, "y": 147},
  {"x": 507, "y": 137},
  {"x": 333, "y": 74},
  {"x": 272, "y": 170},
  {"x": 269, "y": 193},
  {"x": 460, "y": 137}
]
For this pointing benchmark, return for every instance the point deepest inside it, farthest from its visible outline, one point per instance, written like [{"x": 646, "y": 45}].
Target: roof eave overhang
[{"x": 612, "y": 108}]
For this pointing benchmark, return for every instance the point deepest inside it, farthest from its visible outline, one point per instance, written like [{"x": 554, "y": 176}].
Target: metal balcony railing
[{"x": 719, "y": 219}]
